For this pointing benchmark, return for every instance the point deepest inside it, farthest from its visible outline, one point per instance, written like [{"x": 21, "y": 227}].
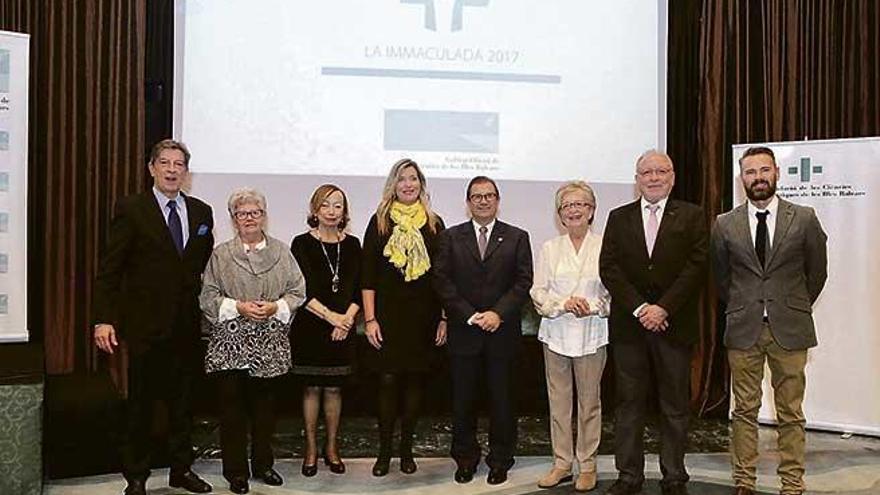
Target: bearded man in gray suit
[{"x": 770, "y": 263}]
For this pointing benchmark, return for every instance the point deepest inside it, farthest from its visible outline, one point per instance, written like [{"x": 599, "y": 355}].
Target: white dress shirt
[
  {"x": 228, "y": 309},
  {"x": 772, "y": 208},
  {"x": 182, "y": 212},
  {"x": 646, "y": 213},
  {"x": 489, "y": 226},
  {"x": 562, "y": 272}
]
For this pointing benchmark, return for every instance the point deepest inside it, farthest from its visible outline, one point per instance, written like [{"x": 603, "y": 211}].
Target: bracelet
[
  {"x": 443, "y": 318},
  {"x": 369, "y": 320}
]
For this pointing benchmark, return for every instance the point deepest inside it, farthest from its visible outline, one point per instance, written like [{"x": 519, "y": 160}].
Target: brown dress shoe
[
  {"x": 585, "y": 482},
  {"x": 554, "y": 477}
]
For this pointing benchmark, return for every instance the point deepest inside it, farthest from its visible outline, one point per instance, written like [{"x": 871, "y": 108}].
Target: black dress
[
  {"x": 407, "y": 312},
  {"x": 320, "y": 360}
]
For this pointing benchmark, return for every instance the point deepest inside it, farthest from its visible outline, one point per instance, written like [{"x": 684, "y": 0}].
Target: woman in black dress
[
  {"x": 401, "y": 312},
  {"x": 323, "y": 347}
]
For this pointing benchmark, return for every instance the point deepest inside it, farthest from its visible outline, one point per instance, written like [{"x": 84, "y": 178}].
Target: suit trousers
[
  {"x": 161, "y": 373},
  {"x": 246, "y": 403},
  {"x": 788, "y": 379},
  {"x": 466, "y": 372},
  {"x": 564, "y": 374},
  {"x": 634, "y": 362}
]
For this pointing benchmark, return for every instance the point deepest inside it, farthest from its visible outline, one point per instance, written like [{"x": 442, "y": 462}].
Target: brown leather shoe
[
  {"x": 741, "y": 490},
  {"x": 585, "y": 482},
  {"x": 554, "y": 477}
]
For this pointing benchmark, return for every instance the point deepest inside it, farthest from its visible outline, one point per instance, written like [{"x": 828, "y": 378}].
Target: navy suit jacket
[{"x": 467, "y": 284}]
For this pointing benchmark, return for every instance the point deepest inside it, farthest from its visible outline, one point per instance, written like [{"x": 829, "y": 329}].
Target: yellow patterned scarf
[{"x": 406, "y": 247}]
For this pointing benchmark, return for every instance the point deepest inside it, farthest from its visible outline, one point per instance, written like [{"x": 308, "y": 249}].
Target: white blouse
[{"x": 561, "y": 273}]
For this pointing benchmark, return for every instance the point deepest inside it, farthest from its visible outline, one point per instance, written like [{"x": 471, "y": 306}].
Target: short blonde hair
[{"x": 575, "y": 186}]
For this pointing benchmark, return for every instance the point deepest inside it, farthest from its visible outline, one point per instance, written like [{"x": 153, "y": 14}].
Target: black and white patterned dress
[{"x": 240, "y": 343}]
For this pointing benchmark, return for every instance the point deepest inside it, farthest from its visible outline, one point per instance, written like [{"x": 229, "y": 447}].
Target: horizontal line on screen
[{"x": 442, "y": 74}]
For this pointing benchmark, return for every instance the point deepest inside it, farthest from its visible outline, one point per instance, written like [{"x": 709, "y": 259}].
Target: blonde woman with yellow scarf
[{"x": 404, "y": 323}]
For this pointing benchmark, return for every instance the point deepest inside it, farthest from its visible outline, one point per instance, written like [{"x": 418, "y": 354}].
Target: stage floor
[{"x": 834, "y": 465}]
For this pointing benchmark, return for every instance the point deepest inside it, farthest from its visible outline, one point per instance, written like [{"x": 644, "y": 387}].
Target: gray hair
[
  {"x": 245, "y": 195},
  {"x": 653, "y": 152},
  {"x": 575, "y": 186}
]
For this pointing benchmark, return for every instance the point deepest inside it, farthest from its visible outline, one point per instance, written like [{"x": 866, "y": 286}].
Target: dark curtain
[
  {"x": 86, "y": 131},
  {"x": 752, "y": 71}
]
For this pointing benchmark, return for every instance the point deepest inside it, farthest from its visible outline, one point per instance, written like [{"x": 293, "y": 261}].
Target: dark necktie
[
  {"x": 761, "y": 236},
  {"x": 174, "y": 226},
  {"x": 483, "y": 241}
]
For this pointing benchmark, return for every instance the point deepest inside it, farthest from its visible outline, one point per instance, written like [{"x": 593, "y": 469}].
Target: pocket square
[{"x": 202, "y": 230}]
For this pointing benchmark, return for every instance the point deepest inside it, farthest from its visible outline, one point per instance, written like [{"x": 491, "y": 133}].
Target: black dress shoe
[
  {"x": 270, "y": 477},
  {"x": 621, "y": 487},
  {"x": 189, "y": 481},
  {"x": 335, "y": 467},
  {"x": 673, "y": 489},
  {"x": 408, "y": 465},
  {"x": 464, "y": 474},
  {"x": 136, "y": 487},
  {"x": 496, "y": 476},
  {"x": 382, "y": 465},
  {"x": 239, "y": 484}
]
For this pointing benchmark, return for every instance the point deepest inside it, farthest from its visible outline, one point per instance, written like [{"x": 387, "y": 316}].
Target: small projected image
[
  {"x": 4, "y": 304},
  {"x": 4, "y": 263},
  {"x": 4, "y": 71},
  {"x": 4, "y": 222},
  {"x": 4, "y": 181},
  {"x": 4, "y": 140}
]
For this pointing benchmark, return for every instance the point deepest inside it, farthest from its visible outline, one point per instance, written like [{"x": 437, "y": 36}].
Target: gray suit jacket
[{"x": 796, "y": 270}]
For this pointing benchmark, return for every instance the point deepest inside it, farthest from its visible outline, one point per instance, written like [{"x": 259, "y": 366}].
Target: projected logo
[
  {"x": 805, "y": 170},
  {"x": 457, "y": 12}
]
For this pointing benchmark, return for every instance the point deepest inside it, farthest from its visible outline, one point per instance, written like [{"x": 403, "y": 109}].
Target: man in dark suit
[
  {"x": 483, "y": 273},
  {"x": 146, "y": 294},
  {"x": 770, "y": 263},
  {"x": 653, "y": 262}
]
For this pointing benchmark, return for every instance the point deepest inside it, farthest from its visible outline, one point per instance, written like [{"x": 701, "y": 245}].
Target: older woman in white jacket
[{"x": 574, "y": 306}]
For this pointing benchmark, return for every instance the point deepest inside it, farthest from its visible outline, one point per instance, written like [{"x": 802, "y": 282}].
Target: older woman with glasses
[
  {"x": 252, "y": 287},
  {"x": 574, "y": 306}
]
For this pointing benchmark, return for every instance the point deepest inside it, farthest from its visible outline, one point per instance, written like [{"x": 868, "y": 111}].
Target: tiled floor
[{"x": 834, "y": 465}]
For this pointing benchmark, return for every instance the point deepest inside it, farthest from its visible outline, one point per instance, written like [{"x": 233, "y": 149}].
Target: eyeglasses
[
  {"x": 476, "y": 197},
  {"x": 659, "y": 172},
  {"x": 243, "y": 214},
  {"x": 575, "y": 204}
]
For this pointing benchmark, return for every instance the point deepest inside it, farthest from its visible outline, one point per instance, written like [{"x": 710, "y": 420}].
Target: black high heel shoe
[
  {"x": 309, "y": 470},
  {"x": 335, "y": 467}
]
